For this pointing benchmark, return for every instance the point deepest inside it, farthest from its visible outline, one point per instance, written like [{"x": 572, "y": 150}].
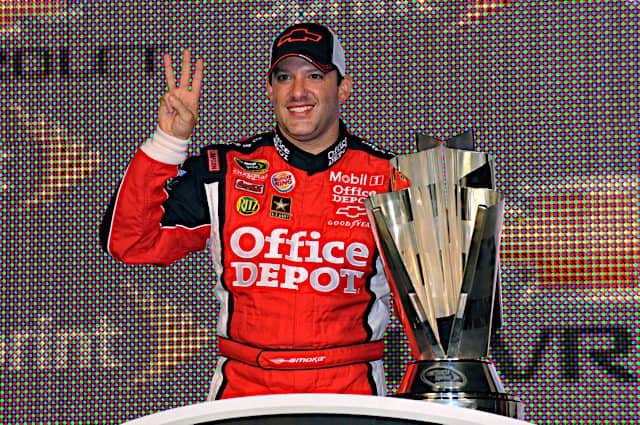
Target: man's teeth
[{"x": 300, "y": 108}]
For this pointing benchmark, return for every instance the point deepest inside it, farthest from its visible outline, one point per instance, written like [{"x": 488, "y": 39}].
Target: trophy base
[{"x": 463, "y": 383}]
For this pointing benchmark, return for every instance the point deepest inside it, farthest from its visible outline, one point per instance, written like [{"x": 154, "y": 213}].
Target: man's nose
[{"x": 298, "y": 87}]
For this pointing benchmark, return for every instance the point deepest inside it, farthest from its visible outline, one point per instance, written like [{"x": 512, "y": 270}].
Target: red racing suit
[{"x": 302, "y": 292}]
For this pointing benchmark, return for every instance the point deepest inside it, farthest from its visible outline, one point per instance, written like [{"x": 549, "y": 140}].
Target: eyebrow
[{"x": 309, "y": 67}]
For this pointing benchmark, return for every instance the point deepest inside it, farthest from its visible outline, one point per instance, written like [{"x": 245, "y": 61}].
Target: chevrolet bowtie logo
[{"x": 299, "y": 34}]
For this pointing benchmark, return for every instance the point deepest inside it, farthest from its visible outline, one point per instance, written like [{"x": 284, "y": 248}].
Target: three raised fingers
[{"x": 185, "y": 76}]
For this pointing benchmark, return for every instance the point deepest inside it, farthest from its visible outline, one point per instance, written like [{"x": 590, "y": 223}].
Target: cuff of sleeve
[{"x": 165, "y": 148}]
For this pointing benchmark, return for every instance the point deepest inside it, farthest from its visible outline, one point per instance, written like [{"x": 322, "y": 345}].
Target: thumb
[
  {"x": 184, "y": 120},
  {"x": 176, "y": 105}
]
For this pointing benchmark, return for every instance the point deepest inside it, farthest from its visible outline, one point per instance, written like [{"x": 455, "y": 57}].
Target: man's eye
[
  {"x": 282, "y": 77},
  {"x": 317, "y": 76}
]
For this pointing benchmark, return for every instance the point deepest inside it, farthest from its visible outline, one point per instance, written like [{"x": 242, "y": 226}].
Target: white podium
[{"x": 316, "y": 409}]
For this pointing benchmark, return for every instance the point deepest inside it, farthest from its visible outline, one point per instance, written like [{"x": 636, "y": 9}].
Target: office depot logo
[{"x": 284, "y": 260}]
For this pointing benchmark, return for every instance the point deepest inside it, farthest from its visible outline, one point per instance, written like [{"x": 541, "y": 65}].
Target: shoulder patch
[{"x": 213, "y": 160}]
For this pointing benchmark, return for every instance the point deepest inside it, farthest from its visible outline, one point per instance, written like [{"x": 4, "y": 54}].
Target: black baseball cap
[{"x": 313, "y": 42}]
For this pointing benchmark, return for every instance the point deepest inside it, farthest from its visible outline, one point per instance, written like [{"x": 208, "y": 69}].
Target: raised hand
[{"x": 178, "y": 111}]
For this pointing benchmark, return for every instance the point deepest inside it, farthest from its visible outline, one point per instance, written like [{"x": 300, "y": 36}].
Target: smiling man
[
  {"x": 307, "y": 84},
  {"x": 306, "y": 103},
  {"x": 302, "y": 293}
]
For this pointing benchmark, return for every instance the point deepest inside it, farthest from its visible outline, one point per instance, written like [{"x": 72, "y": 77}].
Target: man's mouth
[{"x": 300, "y": 109}]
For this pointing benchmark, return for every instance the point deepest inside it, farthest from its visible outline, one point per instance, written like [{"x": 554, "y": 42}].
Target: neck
[{"x": 318, "y": 144}]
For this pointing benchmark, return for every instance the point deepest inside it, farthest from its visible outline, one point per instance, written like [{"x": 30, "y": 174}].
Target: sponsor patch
[
  {"x": 324, "y": 265},
  {"x": 282, "y": 149},
  {"x": 257, "y": 166},
  {"x": 283, "y": 181},
  {"x": 237, "y": 171},
  {"x": 337, "y": 152},
  {"x": 213, "y": 161},
  {"x": 249, "y": 186},
  {"x": 362, "y": 179},
  {"x": 342, "y": 194},
  {"x": 352, "y": 211},
  {"x": 350, "y": 224},
  {"x": 247, "y": 205},
  {"x": 353, "y": 216},
  {"x": 280, "y": 207}
]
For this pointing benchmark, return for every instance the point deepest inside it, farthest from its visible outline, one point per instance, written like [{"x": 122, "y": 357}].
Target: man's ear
[
  {"x": 269, "y": 88},
  {"x": 344, "y": 89}
]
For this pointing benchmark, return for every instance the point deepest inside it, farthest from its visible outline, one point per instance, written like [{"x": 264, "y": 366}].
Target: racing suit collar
[{"x": 311, "y": 163}]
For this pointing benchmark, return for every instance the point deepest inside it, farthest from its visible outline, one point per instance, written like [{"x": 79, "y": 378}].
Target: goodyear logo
[
  {"x": 247, "y": 205},
  {"x": 257, "y": 166}
]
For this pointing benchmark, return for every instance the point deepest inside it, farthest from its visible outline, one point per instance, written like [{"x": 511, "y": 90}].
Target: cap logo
[{"x": 298, "y": 35}]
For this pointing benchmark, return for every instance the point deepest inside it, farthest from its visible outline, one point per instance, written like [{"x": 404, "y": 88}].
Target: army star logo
[
  {"x": 280, "y": 207},
  {"x": 280, "y": 204}
]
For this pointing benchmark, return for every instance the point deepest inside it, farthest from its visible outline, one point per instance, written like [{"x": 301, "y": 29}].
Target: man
[{"x": 303, "y": 298}]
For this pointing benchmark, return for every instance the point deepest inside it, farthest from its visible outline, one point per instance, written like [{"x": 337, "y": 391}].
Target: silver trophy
[{"x": 438, "y": 231}]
